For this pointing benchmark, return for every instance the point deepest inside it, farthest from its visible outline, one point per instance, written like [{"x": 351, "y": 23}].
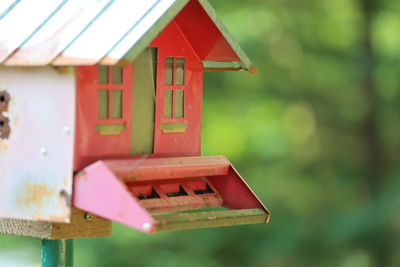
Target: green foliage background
[{"x": 316, "y": 133}]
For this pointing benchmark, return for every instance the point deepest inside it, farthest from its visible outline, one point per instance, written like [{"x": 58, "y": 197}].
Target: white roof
[{"x": 85, "y": 32}]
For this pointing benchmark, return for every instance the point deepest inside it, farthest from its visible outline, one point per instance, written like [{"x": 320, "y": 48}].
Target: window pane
[
  {"x": 169, "y": 70},
  {"x": 103, "y": 74},
  {"x": 116, "y": 104},
  {"x": 116, "y": 75},
  {"x": 167, "y": 103},
  {"x": 180, "y": 71},
  {"x": 179, "y": 103},
  {"x": 102, "y": 112}
]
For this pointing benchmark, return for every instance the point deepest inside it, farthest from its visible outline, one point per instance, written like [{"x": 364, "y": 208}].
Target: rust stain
[
  {"x": 34, "y": 195},
  {"x": 37, "y": 195},
  {"x": 38, "y": 216},
  {"x": 66, "y": 181},
  {"x": 81, "y": 176},
  {"x": 66, "y": 197},
  {"x": 63, "y": 69},
  {"x": 3, "y": 146}
]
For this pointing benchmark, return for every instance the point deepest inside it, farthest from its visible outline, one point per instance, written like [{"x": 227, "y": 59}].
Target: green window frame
[{"x": 110, "y": 100}]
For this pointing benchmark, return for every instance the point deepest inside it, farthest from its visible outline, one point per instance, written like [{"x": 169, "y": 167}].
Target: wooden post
[{"x": 57, "y": 253}]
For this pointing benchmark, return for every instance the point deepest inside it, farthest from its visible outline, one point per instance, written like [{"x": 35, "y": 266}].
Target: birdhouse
[{"x": 100, "y": 117}]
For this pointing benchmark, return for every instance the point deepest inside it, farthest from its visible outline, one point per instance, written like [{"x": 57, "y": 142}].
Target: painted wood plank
[
  {"x": 58, "y": 32},
  {"x": 36, "y": 160},
  {"x": 142, "y": 169},
  {"x": 82, "y": 226},
  {"x": 18, "y": 25},
  {"x": 25, "y": 228},
  {"x": 102, "y": 35},
  {"x": 181, "y": 203},
  {"x": 195, "y": 220}
]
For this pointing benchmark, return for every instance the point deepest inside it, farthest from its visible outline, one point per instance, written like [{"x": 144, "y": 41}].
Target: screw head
[
  {"x": 88, "y": 216},
  {"x": 146, "y": 226},
  {"x": 67, "y": 130},
  {"x": 44, "y": 151}
]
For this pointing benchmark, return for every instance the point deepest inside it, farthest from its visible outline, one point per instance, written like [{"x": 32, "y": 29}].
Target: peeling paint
[
  {"x": 3, "y": 145},
  {"x": 67, "y": 197},
  {"x": 34, "y": 187},
  {"x": 66, "y": 181},
  {"x": 34, "y": 195}
]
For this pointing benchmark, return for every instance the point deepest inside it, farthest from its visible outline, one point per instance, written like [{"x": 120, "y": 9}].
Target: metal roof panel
[
  {"x": 51, "y": 39},
  {"x": 6, "y": 6},
  {"x": 145, "y": 30},
  {"x": 22, "y": 21},
  {"x": 102, "y": 35},
  {"x": 86, "y": 32}
]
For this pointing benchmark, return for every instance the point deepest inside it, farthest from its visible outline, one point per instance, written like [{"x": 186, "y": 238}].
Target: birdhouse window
[
  {"x": 174, "y": 67},
  {"x": 173, "y": 104},
  {"x": 180, "y": 71},
  {"x": 174, "y": 92},
  {"x": 110, "y": 94},
  {"x": 109, "y": 109},
  {"x": 109, "y": 98}
]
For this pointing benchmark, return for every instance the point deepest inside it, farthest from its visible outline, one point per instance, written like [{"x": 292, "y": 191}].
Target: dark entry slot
[
  {"x": 4, "y": 99},
  {"x": 4, "y": 127},
  {"x": 151, "y": 196},
  {"x": 181, "y": 192},
  {"x": 208, "y": 190}
]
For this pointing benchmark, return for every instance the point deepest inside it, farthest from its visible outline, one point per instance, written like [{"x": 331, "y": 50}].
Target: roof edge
[
  {"x": 245, "y": 60},
  {"x": 226, "y": 66}
]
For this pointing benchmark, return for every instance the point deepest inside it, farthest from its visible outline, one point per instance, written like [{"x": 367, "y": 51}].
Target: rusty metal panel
[
  {"x": 105, "y": 32},
  {"x": 36, "y": 158},
  {"x": 136, "y": 40},
  {"x": 21, "y": 21},
  {"x": 58, "y": 32}
]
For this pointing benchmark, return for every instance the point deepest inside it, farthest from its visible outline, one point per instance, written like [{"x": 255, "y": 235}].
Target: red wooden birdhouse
[{"x": 101, "y": 110}]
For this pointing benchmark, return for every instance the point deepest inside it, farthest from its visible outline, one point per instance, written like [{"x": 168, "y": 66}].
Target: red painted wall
[
  {"x": 172, "y": 43},
  {"x": 205, "y": 38},
  {"x": 91, "y": 146}
]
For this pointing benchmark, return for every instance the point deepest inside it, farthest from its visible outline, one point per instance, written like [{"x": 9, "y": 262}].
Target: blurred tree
[{"x": 315, "y": 132}]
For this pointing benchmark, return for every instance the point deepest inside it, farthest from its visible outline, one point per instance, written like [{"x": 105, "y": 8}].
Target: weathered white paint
[
  {"x": 60, "y": 30},
  {"x": 5, "y": 5},
  {"x": 21, "y": 21},
  {"x": 36, "y": 160}
]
